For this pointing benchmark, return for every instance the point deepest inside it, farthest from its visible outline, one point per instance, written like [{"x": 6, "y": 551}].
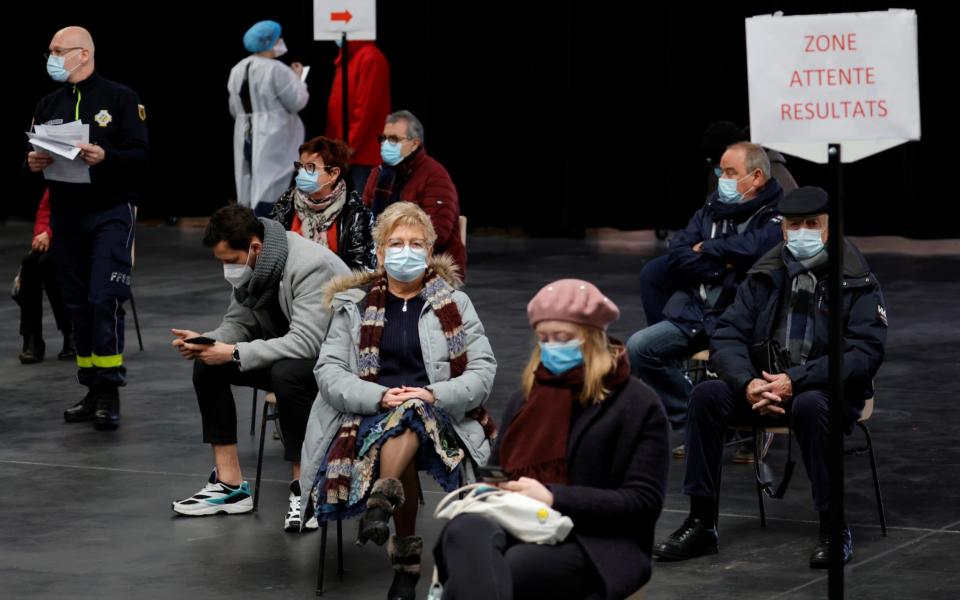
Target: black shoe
[
  {"x": 33, "y": 349},
  {"x": 83, "y": 410},
  {"x": 404, "y": 555},
  {"x": 691, "y": 540},
  {"x": 385, "y": 497},
  {"x": 820, "y": 559},
  {"x": 107, "y": 416},
  {"x": 69, "y": 350}
]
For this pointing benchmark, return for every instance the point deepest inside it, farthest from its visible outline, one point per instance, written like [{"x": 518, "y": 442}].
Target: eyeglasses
[
  {"x": 398, "y": 244},
  {"x": 393, "y": 139},
  {"x": 61, "y": 52},
  {"x": 310, "y": 167}
]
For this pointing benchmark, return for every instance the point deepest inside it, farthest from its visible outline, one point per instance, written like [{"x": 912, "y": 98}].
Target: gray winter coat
[
  {"x": 342, "y": 392},
  {"x": 309, "y": 267}
]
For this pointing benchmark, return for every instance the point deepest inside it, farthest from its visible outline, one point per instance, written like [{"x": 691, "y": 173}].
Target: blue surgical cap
[{"x": 262, "y": 36}]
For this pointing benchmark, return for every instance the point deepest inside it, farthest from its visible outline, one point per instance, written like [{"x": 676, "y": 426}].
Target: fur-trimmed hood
[{"x": 442, "y": 264}]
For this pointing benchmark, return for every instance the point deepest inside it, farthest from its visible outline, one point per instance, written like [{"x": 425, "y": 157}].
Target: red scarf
[{"x": 535, "y": 443}]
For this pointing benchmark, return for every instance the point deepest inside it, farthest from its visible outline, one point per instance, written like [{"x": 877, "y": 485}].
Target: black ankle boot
[
  {"x": 385, "y": 497},
  {"x": 83, "y": 410},
  {"x": 107, "y": 415},
  {"x": 405, "y": 557},
  {"x": 33, "y": 349},
  {"x": 69, "y": 350}
]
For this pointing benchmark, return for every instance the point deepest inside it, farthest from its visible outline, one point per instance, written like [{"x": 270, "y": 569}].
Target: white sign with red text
[
  {"x": 331, "y": 18},
  {"x": 848, "y": 79}
]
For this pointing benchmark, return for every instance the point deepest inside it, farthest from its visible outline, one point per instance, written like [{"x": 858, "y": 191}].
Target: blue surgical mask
[
  {"x": 727, "y": 191},
  {"x": 560, "y": 357},
  {"x": 55, "y": 68},
  {"x": 804, "y": 243},
  {"x": 405, "y": 264},
  {"x": 308, "y": 183},
  {"x": 390, "y": 153}
]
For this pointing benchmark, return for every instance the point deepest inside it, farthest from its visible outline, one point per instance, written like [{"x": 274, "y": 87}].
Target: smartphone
[
  {"x": 491, "y": 474},
  {"x": 203, "y": 341}
]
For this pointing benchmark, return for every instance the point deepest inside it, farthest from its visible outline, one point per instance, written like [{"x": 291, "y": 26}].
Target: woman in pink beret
[{"x": 583, "y": 437}]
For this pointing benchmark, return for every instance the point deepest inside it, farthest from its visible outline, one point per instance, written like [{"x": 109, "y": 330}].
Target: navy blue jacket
[
  {"x": 755, "y": 313},
  {"x": 725, "y": 257},
  {"x": 117, "y": 122}
]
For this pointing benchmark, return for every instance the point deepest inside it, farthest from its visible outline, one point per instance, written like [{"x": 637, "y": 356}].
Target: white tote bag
[{"x": 522, "y": 517}]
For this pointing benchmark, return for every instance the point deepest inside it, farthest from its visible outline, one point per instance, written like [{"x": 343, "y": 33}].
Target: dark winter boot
[
  {"x": 33, "y": 349},
  {"x": 405, "y": 557},
  {"x": 385, "y": 497},
  {"x": 107, "y": 417},
  {"x": 69, "y": 351},
  {"x": 83, "y": 410}
]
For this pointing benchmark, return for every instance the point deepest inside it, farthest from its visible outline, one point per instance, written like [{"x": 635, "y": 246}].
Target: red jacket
[
  {"x": 42, "y": 224},
  {"x": 428, "y": 185},
  {"x": 369, "y": 91}
]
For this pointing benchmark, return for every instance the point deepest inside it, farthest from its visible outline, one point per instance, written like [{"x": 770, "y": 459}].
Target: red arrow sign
[{"x": 344, "y": 16}]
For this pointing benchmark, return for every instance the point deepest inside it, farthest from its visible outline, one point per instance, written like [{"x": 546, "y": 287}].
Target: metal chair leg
[
  {"x": 339, "y": 546},
  {"x": 323, "y": 556},
  {"x": 876, "y": 480},
  {"x": 263, "y": 434},
  {"x": 136, "y": 320},
  {"x": 253, "y": 413},
  {"x": 757, "y": 442}
]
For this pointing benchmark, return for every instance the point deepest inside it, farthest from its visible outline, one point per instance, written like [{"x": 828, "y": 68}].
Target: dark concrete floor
[{"x": 87, "y": 514}]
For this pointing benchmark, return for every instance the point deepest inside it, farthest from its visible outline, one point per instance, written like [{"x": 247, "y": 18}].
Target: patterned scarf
[
  {"x": 801, "y": 309},
  {"x": 317, "y": 216},
  {"x": 535, "y": 443},
  {"x": 439, "y": 295},
  {"x": 262, "y": 288}
]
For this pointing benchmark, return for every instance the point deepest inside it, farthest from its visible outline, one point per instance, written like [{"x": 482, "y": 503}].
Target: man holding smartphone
[{"x": 269, "y": 339}]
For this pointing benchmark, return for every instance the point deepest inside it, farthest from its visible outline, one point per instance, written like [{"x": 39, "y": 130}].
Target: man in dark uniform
[
  {"x": 784, "y": 298},
  {"x": 94, "y": 221}
]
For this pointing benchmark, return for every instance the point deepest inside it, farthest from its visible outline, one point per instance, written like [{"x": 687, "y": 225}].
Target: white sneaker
[
  {"x": 216, "y": 497},
  {"x": 292, "y": 521}
]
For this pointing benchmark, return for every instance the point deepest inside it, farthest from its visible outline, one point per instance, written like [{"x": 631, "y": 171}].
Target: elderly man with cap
[
  {"x": 265, "y": 97},
  {"x": 783, "y": 300},
  {"x": 582, "y": 436}
]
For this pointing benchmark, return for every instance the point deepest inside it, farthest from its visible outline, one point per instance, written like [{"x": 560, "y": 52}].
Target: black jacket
[
  {"x": 117, "y": 122},
  {"x": 716, "y": 226},
  {"x": 354, "y": 237},
  {"x": 755, "y": 313},
  {"x": 617, "y": 461}
]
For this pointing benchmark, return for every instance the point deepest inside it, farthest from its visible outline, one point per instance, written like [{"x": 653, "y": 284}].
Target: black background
[{"x": 553, "y": 116}]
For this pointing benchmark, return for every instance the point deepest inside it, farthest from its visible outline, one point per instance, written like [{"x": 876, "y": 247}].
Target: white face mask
[
  {"x": 279, "y": 49},
  {"x": 238, "y": 275}
]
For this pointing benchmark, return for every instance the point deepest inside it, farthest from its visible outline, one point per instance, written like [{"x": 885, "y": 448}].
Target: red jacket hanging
[
  {"x": 368, "y": 86},
  {"x": 42, "y": 223}
]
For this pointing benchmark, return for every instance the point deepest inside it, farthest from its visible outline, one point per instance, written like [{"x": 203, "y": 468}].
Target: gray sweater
[{"x": 308, "y": 268}]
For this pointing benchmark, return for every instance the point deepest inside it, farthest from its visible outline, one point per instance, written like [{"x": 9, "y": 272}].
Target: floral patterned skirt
[{"x": 438, "y": 454}]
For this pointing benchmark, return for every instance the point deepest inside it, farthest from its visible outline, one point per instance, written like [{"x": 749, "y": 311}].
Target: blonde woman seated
[
  {"x": 584, "y": 437},
  {"x": 403, "y": 374}
]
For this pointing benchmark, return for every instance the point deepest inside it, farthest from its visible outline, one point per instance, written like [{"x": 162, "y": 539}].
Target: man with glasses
[
  {"x": 706, "y": 263},
  {"x": 94, "y": 219},
  {"x": 783, "y": 299},
  {"x": 408, "y": 174}
]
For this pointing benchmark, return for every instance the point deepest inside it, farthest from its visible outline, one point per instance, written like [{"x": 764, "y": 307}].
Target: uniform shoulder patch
[
  {"x": 882, "y": 314},
  {"x": 142, "y": 111},
  {"x": 103, "y": 118}
]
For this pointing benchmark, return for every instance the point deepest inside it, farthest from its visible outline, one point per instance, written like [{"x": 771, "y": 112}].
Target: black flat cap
[{"x": 803, "y": 201}]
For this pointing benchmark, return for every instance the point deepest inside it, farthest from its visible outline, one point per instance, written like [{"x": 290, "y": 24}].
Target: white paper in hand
[{"x": 62, "y": 141}]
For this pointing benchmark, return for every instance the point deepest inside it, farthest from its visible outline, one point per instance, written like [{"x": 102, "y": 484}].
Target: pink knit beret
[{"x": 574, "y": 301}]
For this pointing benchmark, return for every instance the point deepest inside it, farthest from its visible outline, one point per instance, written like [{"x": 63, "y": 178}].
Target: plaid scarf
[
  {"x": 439, "y": 295},
  {"x": 317, "y": 216},
  {"x": 801, "y": 309}
]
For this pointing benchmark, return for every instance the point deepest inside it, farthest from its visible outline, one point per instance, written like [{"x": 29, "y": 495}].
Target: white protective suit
[{"x": 276, "y": 96}]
